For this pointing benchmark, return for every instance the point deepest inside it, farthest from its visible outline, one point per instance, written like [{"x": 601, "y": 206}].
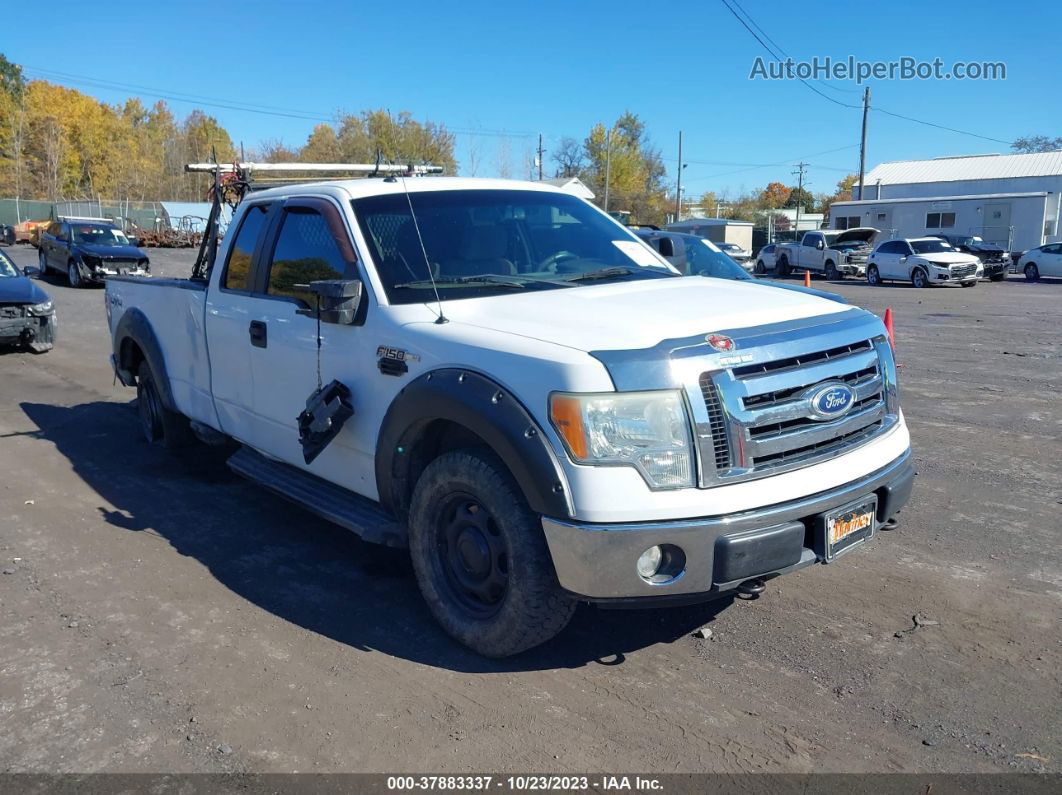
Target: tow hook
[{"x": 751, "y": 589}]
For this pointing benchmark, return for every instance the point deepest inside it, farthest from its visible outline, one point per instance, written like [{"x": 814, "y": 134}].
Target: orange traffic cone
[
  {"x": 807, "y": 278},
  {"x": 888, "y": 327}
]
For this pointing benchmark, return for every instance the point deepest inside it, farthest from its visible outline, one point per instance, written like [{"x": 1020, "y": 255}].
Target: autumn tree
[
  {"x": 775, "y": 195},
  {"x": 637, "y": 177}
]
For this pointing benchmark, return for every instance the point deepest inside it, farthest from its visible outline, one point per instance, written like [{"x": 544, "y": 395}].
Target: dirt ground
[{"x": 159, "y": 614}]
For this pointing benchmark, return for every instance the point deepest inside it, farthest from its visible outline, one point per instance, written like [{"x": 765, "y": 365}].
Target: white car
[
  {"x": 766, "y": 258},
  {"x": 740, "y": 255},
  {"x": 1044, "y": 260},
  {"x": 509, "y": 383},
  {"x": 923, "y": 261}
]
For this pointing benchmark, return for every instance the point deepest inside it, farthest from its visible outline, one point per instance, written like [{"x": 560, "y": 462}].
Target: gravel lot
[{"x": 159, "y": 614}]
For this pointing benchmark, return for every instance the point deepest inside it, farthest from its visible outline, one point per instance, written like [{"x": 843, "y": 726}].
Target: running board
[{"x": 327, "y": 500}]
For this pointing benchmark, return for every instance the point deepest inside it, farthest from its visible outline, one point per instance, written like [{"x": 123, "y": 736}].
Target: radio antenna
[{"x": 442, "y": 318}]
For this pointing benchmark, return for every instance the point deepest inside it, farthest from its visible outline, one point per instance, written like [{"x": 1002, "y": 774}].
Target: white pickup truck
[
  {"x": 524, "y": 394},
  {"x": 830, "y": 252}
]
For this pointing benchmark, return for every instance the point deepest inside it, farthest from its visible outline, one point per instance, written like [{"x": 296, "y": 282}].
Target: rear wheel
[
  {"x": 1032, "y": 273},
  {"x": 480, "y": 557},
  {"x": 919, "y": 278},
  {"x": 873, "y": 277},
  {"x": 159, "y": 425}
]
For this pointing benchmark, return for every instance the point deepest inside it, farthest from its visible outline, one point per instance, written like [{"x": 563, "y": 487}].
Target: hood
[
  {"x": 987, "y": 248},
  {"x": 631, "y": 315},
  {"x": 861, "y": 234},
  {"x": 949, "y": 257},
  {"x": 21, "y": 290},
  {"x": 806, "y": 290},
  {"x": 111, "y": 252}
]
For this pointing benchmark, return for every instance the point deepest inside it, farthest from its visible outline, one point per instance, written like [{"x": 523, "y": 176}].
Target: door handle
[{"x": 257, "y": 331}]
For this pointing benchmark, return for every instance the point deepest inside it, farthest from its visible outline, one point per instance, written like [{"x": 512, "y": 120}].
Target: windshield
[
  {"x": 704, "y": 259},
  {"x": 98, "y": 235},
  {"x": 729, "y": 246},
  {"x": 7, "y": 268},
  {"x": 930, "y": 246},
  {"x": 486, "y": 242}
]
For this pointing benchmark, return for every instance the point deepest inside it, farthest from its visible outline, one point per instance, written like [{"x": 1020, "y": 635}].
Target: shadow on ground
[{"x": 298, "y": 567}]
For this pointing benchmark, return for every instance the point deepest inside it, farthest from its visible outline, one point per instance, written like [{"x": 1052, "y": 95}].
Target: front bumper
[
  {"x": 37, "y": 331},
  {"x": 597, "y": 561}
]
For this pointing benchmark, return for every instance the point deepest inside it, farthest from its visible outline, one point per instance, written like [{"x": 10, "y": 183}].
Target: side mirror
[
  {"x": 337, "y": 300},
  {"x": 31, "y": 270},
  {"x": 820, "y": 245},
  {"x": 134, "y": 241}
]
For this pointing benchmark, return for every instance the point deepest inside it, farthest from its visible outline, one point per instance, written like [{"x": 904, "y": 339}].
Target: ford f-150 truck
[
  {"x": 509, "y": 383},
  {"x": 832, "y": 253}
]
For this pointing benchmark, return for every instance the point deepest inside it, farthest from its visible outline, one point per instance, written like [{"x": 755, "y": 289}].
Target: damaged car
[
  {"x": 27, "y": 315},
  {"x": 88, "y": 250}
]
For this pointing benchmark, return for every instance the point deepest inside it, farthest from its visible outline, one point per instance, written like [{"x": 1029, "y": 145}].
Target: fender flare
[
  {"x": 135, "y": 326},
  {"x": 487, "y": 409}
]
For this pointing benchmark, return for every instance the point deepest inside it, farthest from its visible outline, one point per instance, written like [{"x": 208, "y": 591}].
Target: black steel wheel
[
  {"x": 158, "y": 424},
  {"x": 481, "y": 558}
]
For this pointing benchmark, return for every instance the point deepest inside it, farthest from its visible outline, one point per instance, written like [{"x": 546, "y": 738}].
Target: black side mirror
[
  {"x": 134, "y": 241},
  {"x": 31, "y": 270},
  {"x": 337, "y": 300}
]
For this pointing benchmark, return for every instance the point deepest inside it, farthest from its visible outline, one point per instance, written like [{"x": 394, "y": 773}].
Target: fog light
[{"x": 649, "y": 563}]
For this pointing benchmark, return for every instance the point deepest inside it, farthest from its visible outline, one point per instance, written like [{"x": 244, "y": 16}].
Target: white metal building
[
  {"x": 1012, "y": 200},
  {"x": 718, "y": 230}
]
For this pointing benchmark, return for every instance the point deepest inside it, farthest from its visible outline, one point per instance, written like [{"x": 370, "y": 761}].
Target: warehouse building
[{"x": 1012, "y": 200}]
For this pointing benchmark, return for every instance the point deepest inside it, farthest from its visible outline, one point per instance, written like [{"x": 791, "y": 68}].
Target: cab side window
[
  {"x": 237, "y": 274},
  {"x": 305, "y": 252}
]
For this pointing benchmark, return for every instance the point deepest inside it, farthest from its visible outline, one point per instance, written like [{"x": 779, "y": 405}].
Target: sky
[{"x": 498, "y": 74}]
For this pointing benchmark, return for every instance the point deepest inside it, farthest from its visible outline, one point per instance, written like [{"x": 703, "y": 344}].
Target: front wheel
[
  {"x": 42, "y": 262},
  {"x": 783, "y": 267},
  {"x": 1032, "y": 273},
  {"x": 832, "y": 274},
  {"x": 73, "y": 275},
  {"x": 760, "y": 268},
  {"x": 919, "y": 278},
  {"x": 873, "y": 277},
  {"x": 480, "y": 557}
]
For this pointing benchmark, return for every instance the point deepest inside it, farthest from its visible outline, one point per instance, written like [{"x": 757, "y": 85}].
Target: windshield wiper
[
  {"x": 487, "y": 280},
  {"x": 600, "y": 273}
]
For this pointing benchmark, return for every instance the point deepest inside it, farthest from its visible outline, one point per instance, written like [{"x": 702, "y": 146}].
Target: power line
[{"x": 847, "y": 105}]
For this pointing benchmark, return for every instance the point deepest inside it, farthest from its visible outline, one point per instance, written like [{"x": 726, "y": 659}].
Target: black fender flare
[
  {"x": 135, "y": 326},
  {"x": 487, "y": 409}
]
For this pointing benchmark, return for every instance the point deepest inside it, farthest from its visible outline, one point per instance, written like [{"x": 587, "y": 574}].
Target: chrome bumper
[{"x": 597, "y": 561}]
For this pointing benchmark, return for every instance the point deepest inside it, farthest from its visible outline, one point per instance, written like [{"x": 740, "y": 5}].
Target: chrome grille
[
  {"x": 964, "y": 270},
  {"x": 12, "y": 310},
  {"x": 762, "y": 414}
]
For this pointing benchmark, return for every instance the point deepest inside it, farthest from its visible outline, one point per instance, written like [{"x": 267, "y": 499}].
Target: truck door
[
  {"x": 231, "y": 326},
  {"x": 304, "y": 247},
  {"x": 811, "y": 251}
]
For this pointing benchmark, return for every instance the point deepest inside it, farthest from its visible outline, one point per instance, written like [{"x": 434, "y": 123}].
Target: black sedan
[
  {"x": 994, "y": 258},
  {"x": 27, "y": 315},
  {"x": 88, "y": 250}
]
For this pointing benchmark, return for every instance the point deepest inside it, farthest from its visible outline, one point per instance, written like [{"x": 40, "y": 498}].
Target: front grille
[
  {"x": 761, "y": 419},
  {"x": 12, "y": 310},
  {"x": 964, "y": 270}
]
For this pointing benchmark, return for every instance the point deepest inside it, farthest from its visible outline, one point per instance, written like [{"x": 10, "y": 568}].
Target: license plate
[{"x": 850, "y": 526}]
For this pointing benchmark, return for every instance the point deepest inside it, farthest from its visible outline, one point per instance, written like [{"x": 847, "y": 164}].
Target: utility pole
[
  {"x": 678, "y": 184},
  {"x": 863, "y": 141},
  {"x": 541, "y": 152},
  {"x": 801, "y": 168},
  {"x": 608, "y": 162}
]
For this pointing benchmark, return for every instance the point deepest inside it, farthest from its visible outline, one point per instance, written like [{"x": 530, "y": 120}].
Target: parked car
[
  {"x": 923, "y": 261},
  {"x": 766, "y": 259},
  {"x": 740, "y": 255},
  {"x": 524, "y": 394},
  {"x": 833, "y": 253},
  {"x": 1043, "y": 260},
  {"x": 27, "y": 314},
  {"x": 698, "y": 256},
  {"x": 994, "y": 258},
  {"x": 88, "y": 250}
]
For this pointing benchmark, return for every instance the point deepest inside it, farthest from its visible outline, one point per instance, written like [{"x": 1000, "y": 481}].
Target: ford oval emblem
[{"x": 831, "y": 401}]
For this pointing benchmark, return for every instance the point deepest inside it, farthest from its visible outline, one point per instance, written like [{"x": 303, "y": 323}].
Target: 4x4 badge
[{"x": 720, "y": 342}]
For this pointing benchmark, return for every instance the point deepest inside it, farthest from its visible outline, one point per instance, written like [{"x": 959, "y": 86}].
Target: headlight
[
  {"x": 646, "y": 430},
  {"x": 42, "y": 308}
]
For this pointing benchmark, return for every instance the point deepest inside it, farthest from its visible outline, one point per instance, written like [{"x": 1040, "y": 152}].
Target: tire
[
  {"x": 782, "y": 267},
  {"x": 832, "y": 274},
  {"x": 873, "y": 277},
  {"x": 759, "y": 269},
  {"x": 42, "y": 262},
  {"x": 997, "y": 277},
  {"x": 159, "y": 425},
  {"x": 919, "y": 278},
  {"x": 501, "y": 596},
  {"x": 1032, "y": 273},
  {"x": 73, "y": 275}
]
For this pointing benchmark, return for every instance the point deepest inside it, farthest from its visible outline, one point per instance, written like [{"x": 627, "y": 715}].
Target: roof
[
  {"x": 965, "y": 197},
  {"x": 571, "y": 185},
  {"x": 967, "y": 167},
  {"x": 380, "y": 186}
]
